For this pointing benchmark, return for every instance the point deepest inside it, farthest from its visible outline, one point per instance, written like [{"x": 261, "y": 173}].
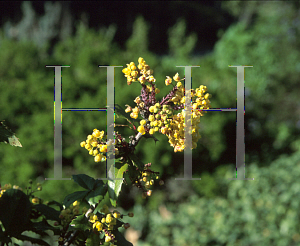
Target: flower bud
[
  {"x": 168, "y": 81},
  {"x": 130, "y": 214},
  {"x": 126, "y": 225},
  {"x": 128, "y": 109},
  {"x": 176, "y": 77}
]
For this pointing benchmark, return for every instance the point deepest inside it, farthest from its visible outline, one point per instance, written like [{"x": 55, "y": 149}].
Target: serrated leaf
[
  {"x": 8, "y": 136},
  {"x": 114, "y": 186},
  {"x": 76, "y": 196},
  {"x": 136, "y": 161},
  {"x": 84, "y": 181},
  {"x": 96, "y": 195},
  {"x": 80, "y": 223}
]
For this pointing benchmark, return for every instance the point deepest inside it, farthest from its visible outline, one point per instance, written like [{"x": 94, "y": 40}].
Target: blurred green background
[{"x": 213, "y": 211}]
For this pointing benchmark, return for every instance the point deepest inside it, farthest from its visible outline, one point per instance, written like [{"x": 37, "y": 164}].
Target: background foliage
[{"x": 263, "y": 34}]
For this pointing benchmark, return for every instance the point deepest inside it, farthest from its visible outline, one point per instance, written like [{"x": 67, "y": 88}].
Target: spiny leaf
[
  {"x": 114, "y": 186},
  {"x": 8, "y": 136}
]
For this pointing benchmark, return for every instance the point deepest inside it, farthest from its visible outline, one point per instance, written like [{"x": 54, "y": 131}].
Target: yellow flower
[
  {"x": 141, "y": 60},
  {"x": 176, "y": 77},
  {"x": 108, "y": 218},
  {"x": 132, "y": 66},
  {"x": 117, "y": 215},
  {"x": 126, "y": 71},
  {"x": 88, "y": 146},
  {"x": 151, "y": 78},
  {"x": 151, "y": 131},
  {"x": 82, "y": 144},
  {"x": 134, "y": 73},
  {"x": 151, "y": 117},
  {"x": 98, "y": 158},
  {"x": 151, "y": 109},
  {"x": 133, "y": 115},
  {"x": 129, "y": 81},
  {"x": 140, "y": 66},
  {"x": 168, "y": 81},
  {"x": 182, "y": 100},
  {"x": 107, "y": 239},
  {"x": 141, "y": 129},
  {"x": 135, "y": 110},
  {"x": 164, "y": 130},
  {"x": 94, "y": 144},
  {"x": 35, "y": 200},
  {"x": 143, "y": 122},
  {"x": 76, "y": 203},
  {"x": 98, "y": 225},
  {"x": 179, "y": 84},
  {"x": 96, "y": 133},
  {"x": 103, "y": 148},
  {"x": 128, "y": 109}
]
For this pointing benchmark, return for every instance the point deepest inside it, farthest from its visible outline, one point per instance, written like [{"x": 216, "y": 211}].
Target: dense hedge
[{"x": 260, "y": 212}]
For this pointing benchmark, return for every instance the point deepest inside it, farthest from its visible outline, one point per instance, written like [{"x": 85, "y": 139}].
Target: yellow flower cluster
[
  {"x": 105, "y": 223},
  {"x": 160, "y": 116},
  {"x": 70, "y": 213},
  {"x": 95, "y": 147},
  {"x": 145, "y": 75},
  {"x": 175, "y": 130},
  {"x": 145, "y": 180},
  {"x": 142, "y": 70}
]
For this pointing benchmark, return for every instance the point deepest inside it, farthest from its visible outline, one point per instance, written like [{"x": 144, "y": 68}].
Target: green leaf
[
  {"x": 136, "y": 161},
  {"x": 96, "y": 195},
  {"x": 76, "y": 196},
  {"x": 55, "y": 203},
  {"x": 80, "y": 223},
  {"x": 4, "y": 238},
  {"x": 15, "y": 211},
  {"x": 114, "y": 186},
  {"x": 32, "y": 240},
  {"x": 93, "y": 240},
  {"x": 42, "y": 226},
  {"x": 7, "y": 136},
  {"x": 48, "y": 212},
  {"x": 105, "y": 200},
  {"x": 121, "y": 241},
  {"x": 84, "y": 181}
]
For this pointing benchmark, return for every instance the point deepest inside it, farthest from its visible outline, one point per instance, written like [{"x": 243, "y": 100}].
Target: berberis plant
[{"x": 98, "y": 225}]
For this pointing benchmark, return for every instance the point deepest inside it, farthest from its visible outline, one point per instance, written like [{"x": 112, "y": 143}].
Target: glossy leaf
[
  {"x": 114, "y": 187},
  {"x": 84, "y": 181}
]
